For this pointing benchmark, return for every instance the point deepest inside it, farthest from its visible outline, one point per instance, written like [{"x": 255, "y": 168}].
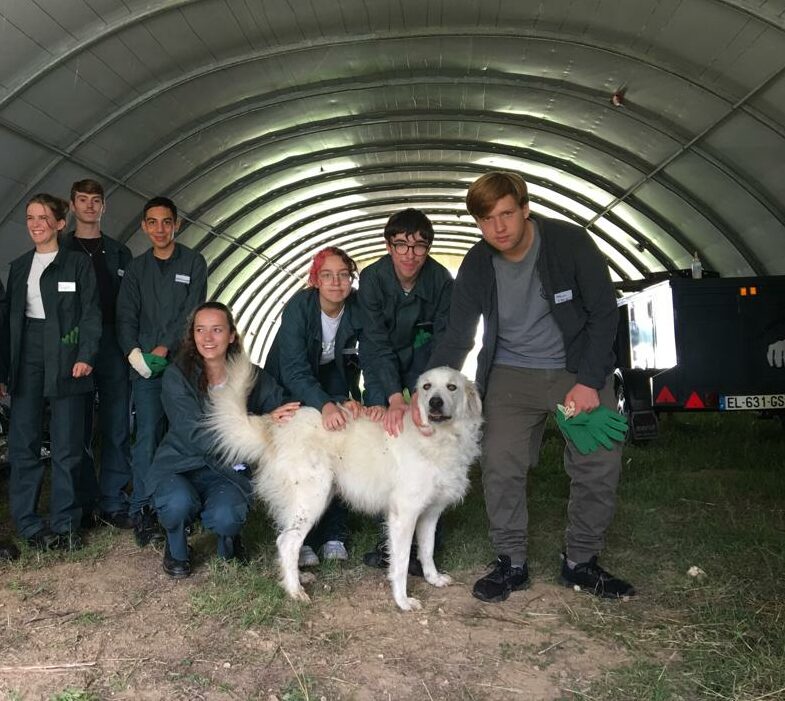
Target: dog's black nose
[{"x": 436, "y": 403}]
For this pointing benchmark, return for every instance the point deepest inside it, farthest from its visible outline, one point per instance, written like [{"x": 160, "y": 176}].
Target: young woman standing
[{"x": 51, "y": 336}]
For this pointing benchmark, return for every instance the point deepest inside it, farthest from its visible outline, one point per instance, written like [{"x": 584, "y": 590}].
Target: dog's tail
[{"x": 240, "y": 437}]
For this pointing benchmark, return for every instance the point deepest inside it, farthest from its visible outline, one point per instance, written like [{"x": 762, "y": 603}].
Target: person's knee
[
  {"x": 175, "y": 507},
  {"x": 225, "y": 519}
]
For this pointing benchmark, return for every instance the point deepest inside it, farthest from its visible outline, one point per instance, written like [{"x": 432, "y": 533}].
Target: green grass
[
  {"x": 74, "y": 695},
  {"x": 89, "y": 618},
  {"x": 709, "y": 492},
  {"x": 247, "y": 595}
]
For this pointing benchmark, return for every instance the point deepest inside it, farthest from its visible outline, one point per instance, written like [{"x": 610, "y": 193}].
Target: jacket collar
[
  {"x": 420, "y": 286},
  {"x": 178, "y": 249}
]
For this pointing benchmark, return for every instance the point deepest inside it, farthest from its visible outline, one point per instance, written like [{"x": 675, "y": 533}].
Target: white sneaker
[
  {"x": 308, "y": 558},
  {"x": 334, "y": 550}
]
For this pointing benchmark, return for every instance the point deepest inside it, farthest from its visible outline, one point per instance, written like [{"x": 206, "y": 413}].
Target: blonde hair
[{"x": 488, "y": 189}]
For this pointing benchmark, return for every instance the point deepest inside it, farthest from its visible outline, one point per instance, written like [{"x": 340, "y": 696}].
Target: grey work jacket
[
  {"x": 187, "y": 445},
  {"x": 577, "y": 285},
  {"x": 392, "y": 319},
  {"x": 70, "y": 297},
  {"x": 153, "y": 304},
  {"x": 297, "y": 348},
  {"x": 117, "y": 256}
]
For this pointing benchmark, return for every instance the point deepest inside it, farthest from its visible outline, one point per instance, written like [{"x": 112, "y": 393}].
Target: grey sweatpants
[{"x": 516, "y": 405}]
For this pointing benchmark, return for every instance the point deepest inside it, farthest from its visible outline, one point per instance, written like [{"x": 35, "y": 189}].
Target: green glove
[
  {"x": 156, "y": 363},
  {"x": 602, "y": 426},
  {"x": 606, "y": 425},
  {"x": 575, "y": 432},
  {"x": 71, "y": 338},
  {"x": 421, "y": 338}
]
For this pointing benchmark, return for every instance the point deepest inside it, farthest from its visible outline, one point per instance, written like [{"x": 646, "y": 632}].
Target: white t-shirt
[
  {"x": 330, "y": 326},
  {"x": 34, "y": 305}
]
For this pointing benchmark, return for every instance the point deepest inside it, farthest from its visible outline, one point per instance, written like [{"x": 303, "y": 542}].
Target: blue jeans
[
  {"x": 150, "y": 429},
  {"x": 114, "y": 399},
  {"x": 220, "y": 503}
]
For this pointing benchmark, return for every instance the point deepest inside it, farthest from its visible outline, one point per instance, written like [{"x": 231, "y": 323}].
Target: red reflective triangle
[
  {"x": 665, "y": 397},
  {"x": 694, "y": 402}
]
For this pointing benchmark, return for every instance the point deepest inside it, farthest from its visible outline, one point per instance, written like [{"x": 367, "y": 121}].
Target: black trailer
[{"x": 711, "y": 344}]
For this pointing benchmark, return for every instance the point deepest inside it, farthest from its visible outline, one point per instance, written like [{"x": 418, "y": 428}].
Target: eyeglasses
[
  {"x": 402, "y": 248},
  {"x": 342, "y": 277}
]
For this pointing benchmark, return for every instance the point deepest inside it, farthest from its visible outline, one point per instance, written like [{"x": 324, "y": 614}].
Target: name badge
[
  {"x": 564, "y": 296},
  {"x": 120, "y": 272},
  {"x": 185, "y": 279},
  {"x": 66, "y": 287}
]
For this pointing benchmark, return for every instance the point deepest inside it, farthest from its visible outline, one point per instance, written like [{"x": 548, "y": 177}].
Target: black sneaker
[
  {"x": 42, "y": 540},
  {"x": 89, "y": 520},
  {"x": 47, "y": 540},
  {"x": 591, "y": 578},
  {"x": 116, "y": 519},
  {"x": 231, "y": 549},
  {"x": 67, "y": 542},
  {"x": 378, "y": 558},
  {"x": 504, "y": 579},
  {"x": 8, "y": 552},
  {"x": 146, "y": 527},
  {"x": 176, "y": 569}
]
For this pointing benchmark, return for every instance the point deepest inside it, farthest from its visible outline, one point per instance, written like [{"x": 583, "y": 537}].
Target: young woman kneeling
[{"x": 189, "y": 481}]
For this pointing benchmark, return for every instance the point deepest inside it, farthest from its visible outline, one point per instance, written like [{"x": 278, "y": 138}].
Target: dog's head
[{"x": 445, "y": 394}]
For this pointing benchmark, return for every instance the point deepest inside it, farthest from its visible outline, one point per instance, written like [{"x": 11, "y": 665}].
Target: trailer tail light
[
  {"x": 752, "y": 291},
  {"x": 694, "y": 402},
  {"x": 665, "y": 396}
]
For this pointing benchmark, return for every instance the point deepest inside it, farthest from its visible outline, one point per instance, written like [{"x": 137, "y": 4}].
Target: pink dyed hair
[{"x": 321, "y": 256}]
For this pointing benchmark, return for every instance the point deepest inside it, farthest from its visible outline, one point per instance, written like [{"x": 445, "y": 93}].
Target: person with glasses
[
  {"x": 314, "y": 357},
  {"x": 405, "y": 298}
]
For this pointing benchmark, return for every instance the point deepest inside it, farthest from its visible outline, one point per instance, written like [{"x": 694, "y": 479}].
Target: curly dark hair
[{"x": 188, "y": 358}]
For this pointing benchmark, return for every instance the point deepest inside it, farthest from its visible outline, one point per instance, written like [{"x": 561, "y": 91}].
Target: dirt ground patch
[{"x": 118, "y": 627}]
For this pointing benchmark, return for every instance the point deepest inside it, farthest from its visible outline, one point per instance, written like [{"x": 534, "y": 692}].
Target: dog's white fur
[{"x": 410, "y": 479}]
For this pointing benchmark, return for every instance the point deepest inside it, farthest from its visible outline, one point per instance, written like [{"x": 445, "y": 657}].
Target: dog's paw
[
  {"x": 301, "y": 596},
  {"x": 409, "y": 603},
  {"x": 439, "y": 580}
]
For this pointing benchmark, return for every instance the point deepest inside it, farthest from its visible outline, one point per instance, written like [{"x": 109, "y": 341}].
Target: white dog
[{"x": 410, "y": 479}]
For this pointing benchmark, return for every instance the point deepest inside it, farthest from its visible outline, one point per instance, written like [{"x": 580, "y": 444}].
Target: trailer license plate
[{"x": 739, "y": 402}]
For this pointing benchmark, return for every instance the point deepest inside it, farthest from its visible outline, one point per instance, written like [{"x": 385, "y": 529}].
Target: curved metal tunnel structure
[{"x": 278, "y": 126}]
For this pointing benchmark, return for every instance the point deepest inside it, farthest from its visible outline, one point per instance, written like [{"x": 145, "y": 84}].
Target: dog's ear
[
  {"x": 423, "y": 408},
  {"x": 472, "y": 398}
]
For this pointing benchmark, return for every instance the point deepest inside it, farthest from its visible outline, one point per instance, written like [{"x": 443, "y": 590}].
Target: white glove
[
  {"x": 138, "y": 364},
  {"x": 776, "y": 354}
]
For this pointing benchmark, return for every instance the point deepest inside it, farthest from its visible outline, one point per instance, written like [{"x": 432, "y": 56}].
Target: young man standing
[
  {"x": 109, "y": 259},
  {"x": 405, "y": 299},
  {"x": 549, "y": 308},
  {"x": 160, "y": 289}
]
